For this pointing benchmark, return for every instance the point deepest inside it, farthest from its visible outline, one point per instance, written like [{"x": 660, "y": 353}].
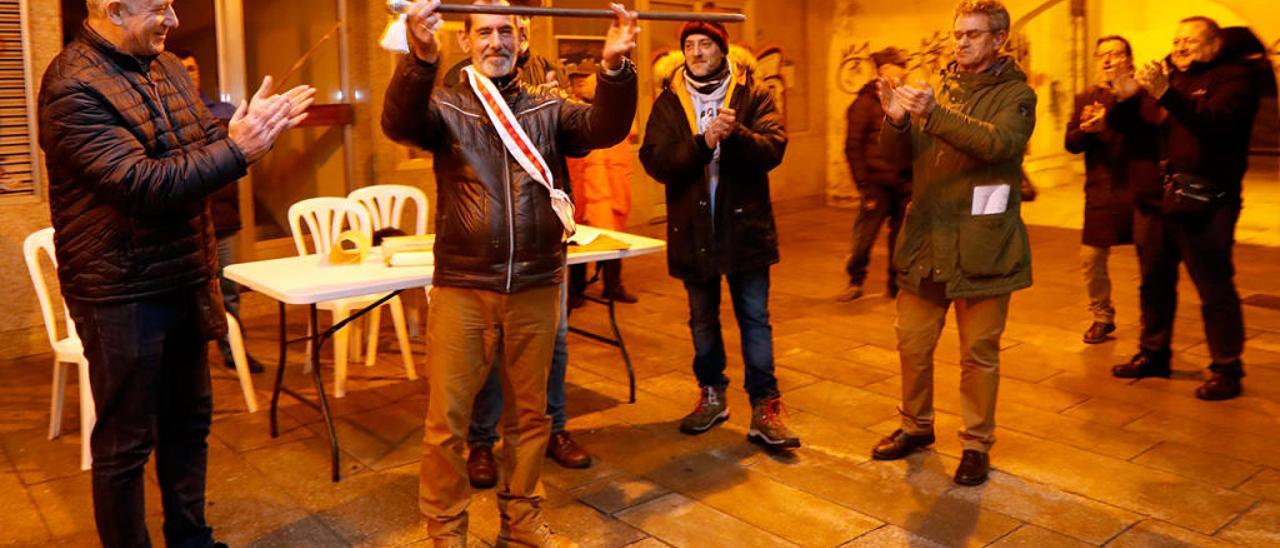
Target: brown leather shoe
[
  {"x": 482, "y": 472},
  {"x": 899, "y": 444},
  {"x": 1144, "y": 364},
  {"x": 973, "y": 469},
  {"x": 566, "y": 453},
  {"x": 1099, "y": 332},
  {"x": 1224, "y": 384}
]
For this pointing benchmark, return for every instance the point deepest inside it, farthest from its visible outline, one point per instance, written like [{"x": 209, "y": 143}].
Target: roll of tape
[{"x": 350, "y": 248}]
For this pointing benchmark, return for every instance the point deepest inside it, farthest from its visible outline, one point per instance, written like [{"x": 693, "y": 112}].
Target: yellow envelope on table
[
  {"x": 351, "y": 247},
  {"x": 602, "y": 242}
]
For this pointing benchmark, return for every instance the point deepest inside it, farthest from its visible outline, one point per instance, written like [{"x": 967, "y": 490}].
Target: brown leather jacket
[
  {"x": 132, "y": 154},
  {"x": 495, "y": 229}
]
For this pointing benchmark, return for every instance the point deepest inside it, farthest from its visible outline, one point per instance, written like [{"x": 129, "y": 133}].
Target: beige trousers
[
  {"x": 466, "y": 329},
  {"x": 919, "y": 324},
  {"x": 1097, "y": 281}
]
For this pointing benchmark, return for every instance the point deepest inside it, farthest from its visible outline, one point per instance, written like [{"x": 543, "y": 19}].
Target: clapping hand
[
  {"x": 1093, "y": 118},
  {"x": 1155, "y": 78},
  {"x": 259, "y": 121},
  {"x": 889, "y": 102},
  {"x": 720, "y": 127},
  {"x": 621, "y": 38},
  {"x": 918, "y": 100},
  {"x": 1125, "y": 86}
]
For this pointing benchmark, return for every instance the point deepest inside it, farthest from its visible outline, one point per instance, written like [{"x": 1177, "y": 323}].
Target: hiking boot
[
  {"x": 850, "y": 293},
  {"x": 711, "y": 410},
  {"x": 482, "y": 472},
  {"x": 566, "y": 453},
  {"x": 767, "y": 428},
  {"x": 1144, "y": 364},
  {"x": 543, "y": 537},
  {"x": 1099, "y": 332}
]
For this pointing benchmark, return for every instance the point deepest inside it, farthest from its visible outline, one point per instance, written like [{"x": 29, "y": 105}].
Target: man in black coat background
[{"x": 885, "y": 190}]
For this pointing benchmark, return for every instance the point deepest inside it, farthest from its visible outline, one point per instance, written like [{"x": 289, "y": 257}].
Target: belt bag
[
  {"x": 520, "y": 147},
  {"x": 1187, "y": 194}
]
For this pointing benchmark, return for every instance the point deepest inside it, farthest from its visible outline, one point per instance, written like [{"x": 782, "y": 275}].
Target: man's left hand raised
[{"x": 621, "y": 38}]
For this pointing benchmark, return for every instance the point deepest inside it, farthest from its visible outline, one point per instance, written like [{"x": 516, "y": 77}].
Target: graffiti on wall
[{"x": 930, "y": 56}]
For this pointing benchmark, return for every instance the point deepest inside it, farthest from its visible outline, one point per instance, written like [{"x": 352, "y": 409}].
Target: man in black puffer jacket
[
  {"x": 499, "y": 252},
  {"x": 132, "y": 154},
  {"x": 712, "y": 139}
]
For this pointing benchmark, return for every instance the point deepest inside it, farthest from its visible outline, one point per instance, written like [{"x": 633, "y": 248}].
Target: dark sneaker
[
  {"x": 543, "y": 537},
  {"x": 1224, "y": 384},
  {"x": 576, "y": 300},
  {"x": 1144, "y": 364},
  {"x": 710, "y": 411},
  {"x": 850, "y": 293},
  {"x": 482, "y": 472},
  {"x": 566, "y": 453},
  {"x": 767, "y": 428},
  {"x": 899, "y": 444},
  {"x": 973, "y": 469},
  {"x": 1098, "y": 332},
  {"x": 892, "y": 292}
]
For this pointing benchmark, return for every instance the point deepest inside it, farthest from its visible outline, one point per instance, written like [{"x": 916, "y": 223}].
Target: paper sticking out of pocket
[
  {"x": 990, "y": 199},
  {"x": 350, "y": 248}
]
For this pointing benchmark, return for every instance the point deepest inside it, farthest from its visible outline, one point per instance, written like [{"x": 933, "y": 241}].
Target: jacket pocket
[{"x": 989, "y": 246}]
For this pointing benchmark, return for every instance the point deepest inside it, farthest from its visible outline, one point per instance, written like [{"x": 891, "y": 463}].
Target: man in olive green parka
[{"x": 963, "y": 242}]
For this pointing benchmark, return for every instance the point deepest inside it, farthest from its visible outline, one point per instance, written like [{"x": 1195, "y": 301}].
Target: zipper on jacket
[
  {"x": 511, "y": 223},
  {"x": 154, "y": 95}
]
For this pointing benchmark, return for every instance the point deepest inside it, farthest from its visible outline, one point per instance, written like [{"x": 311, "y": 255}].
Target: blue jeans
[
  {"x": 750, "y": 294},
  {"x": 487, "y": 409}
]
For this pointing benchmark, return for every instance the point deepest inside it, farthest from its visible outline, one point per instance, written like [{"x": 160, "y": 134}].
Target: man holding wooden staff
[{"x": 502, "y": 214}]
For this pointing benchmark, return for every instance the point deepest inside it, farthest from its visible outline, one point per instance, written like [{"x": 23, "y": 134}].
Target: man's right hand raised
[
  {"x": 422, "y": 24},
  {"x": 259, "y": 121}
]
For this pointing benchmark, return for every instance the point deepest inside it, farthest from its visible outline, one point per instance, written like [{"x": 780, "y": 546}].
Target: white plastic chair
[
  {"x": 326, "y": 218},
  {"x": 386, "y": 205},
  {"x": 236, "y": 339},
  {"x": 66, "y": 350}
]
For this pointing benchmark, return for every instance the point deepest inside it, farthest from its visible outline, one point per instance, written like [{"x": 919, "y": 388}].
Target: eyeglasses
[
  {"x": 1111, "y": 54},
  {"x": 970, "y": 34},
  {"x": 1189, "y": 42}
]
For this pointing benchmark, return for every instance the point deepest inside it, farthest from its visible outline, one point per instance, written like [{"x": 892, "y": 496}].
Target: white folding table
[{"x": 305, "y": 280}]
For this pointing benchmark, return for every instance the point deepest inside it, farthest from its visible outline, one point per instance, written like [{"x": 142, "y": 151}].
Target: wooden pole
[{"x": 401, "y": 6}]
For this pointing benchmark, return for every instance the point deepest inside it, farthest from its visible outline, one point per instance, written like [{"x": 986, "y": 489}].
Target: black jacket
[
  {"x": 1211, "y": 109},
  {"x": 862, "y": 144},
  {"x": 742, "y": 236},
  {"x": 1121, "y": 161},
  {"x": 495, "y": 228},
  {"x": 132, "y": 153}
]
